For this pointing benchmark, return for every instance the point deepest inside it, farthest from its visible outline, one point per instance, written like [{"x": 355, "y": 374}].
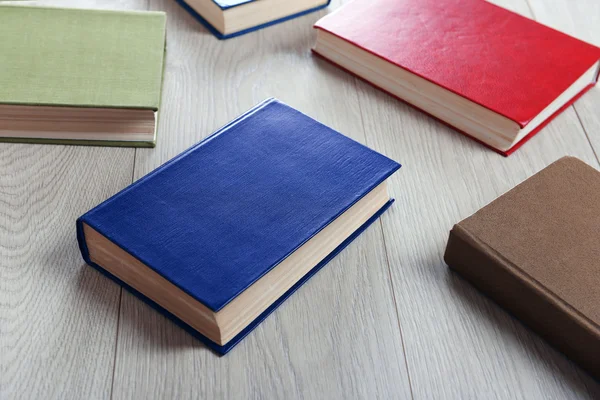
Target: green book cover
[{"x": 87, "y": 58}]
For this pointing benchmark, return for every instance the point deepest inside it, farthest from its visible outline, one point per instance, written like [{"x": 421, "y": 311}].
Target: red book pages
[{"x": 502, "y": 61}]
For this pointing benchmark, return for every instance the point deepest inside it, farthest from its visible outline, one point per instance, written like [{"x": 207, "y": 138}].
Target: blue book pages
[
  {"x": 225, "y": 4},
  {"x": 219, "y": 216}
]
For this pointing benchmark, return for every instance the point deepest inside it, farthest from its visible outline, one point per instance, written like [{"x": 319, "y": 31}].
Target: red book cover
[{"x": 500, "y": 60}]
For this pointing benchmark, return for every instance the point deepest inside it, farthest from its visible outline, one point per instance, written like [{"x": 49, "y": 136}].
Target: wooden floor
[{"x": 384, "y": 320}]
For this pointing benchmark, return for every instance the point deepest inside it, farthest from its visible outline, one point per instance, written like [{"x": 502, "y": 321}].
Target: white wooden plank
[
  {"x": 460, "y": 345},
  {"x": 581, "y": 19},
  {"x": 337, "y": 337},
  {"x": 58, "y": 317}
]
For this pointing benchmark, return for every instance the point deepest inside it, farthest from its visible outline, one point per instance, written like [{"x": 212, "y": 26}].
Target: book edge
[
  {"x": 222, "y": 350},
  {"x": 227, "y": 7},
  {"x": 319, "y": 229},
  {"x": 84, "y": 217},
  {"x": 534, "y": 285},
  {"x": 221, "y": 36},
  {"x": 541, "y": 126},
  {"x": 409, "y": 104},
  {"x": 378, "y": 180},
  {"x": 505, "y": 153},
  {"x": 519, "y": 186},
  {"x": 36, "y": 104},
  {"x": 159, "y": 15},
  {"x": 522, "y": 123},
  {"x": 185, "y": 153},
  {"x": 220, "y": 306},
  {"x": 575, "y": 344},
  {"x": 94, "y": 10},
  {"x": 76, "y": 142}
]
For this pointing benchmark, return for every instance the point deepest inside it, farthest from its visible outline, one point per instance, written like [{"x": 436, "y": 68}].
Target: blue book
[
  {"x": 222, "y": 234},
  {"x": 229, "y": 18}
]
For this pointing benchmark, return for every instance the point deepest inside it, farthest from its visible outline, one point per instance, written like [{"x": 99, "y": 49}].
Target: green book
[{"x": 80, "y": 76}]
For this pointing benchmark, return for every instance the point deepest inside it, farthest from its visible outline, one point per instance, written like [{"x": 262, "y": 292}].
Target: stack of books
[{"x": 221, "y": 235}]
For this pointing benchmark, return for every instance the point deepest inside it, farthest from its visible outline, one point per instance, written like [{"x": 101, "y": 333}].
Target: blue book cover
[
  {"x": 225, "y": 5},
  {"x": 220, "y": 216}
]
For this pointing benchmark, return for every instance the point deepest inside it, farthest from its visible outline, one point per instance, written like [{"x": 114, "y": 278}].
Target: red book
[{"x": 492, "y": 74}]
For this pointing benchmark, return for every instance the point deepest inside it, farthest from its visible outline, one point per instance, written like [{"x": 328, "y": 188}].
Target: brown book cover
[{"x": 536, "y": 251}]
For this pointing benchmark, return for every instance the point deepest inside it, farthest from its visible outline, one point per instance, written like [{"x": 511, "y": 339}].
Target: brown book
[{"x": 536, "y": 251}]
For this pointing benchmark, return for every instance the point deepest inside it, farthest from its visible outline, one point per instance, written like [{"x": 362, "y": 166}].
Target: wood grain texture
[
  {"x": 68, "y": 332},
  {"x": 338, "y": 336},
  {"x": 581, "y": 19},
  {"x": 460, "y": 345},
  {"x": 58, "y": 317}
]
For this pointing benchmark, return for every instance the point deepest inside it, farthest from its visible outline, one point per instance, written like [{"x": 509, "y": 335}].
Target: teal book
[{"x": 80, "y": 76}]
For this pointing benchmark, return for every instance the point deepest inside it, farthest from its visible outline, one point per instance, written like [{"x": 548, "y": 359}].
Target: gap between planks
[{"x": 385, "y": 248}]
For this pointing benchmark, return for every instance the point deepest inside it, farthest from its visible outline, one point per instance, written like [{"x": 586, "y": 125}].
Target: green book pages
[{"x": 80, "y": 59}]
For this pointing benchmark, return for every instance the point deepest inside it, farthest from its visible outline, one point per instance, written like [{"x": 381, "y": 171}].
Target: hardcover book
[
  {"x": 78, "y": 76},
  {"x": 230, "y": 18},
  {"x": 535, "y": 250},
  {"x": 494, "y": 75},
  {"x": 221, "y": 235}
]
